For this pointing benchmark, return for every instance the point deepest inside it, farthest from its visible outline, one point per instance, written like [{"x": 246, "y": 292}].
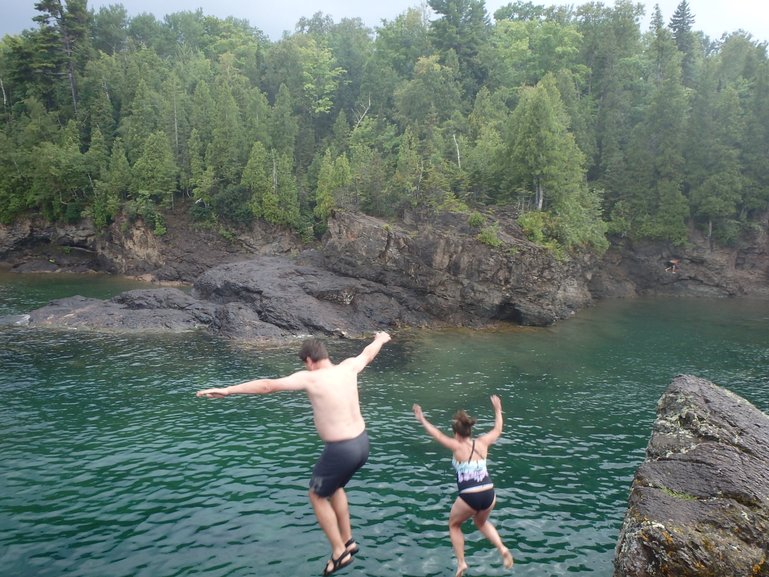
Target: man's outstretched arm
[
  {"x": 294, "y": 382},
  {"x": 369, "y": 353}
]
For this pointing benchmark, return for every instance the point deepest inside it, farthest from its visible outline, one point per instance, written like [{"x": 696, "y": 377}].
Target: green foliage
[
  {"x": 490, "y": 235},
  {"x": 227, "y": 234},
  {"x": 202, "y": 213},
  {"x": 272, "y": 190},
  {"x": 541, "y": 229},
  {"x": 232, "y": 205},
  {"x": 142, "y": 209},
  {"x": 430, "y": 96},
  {"x": 159, "y": 225},
  {"x": 334, "y": 180},
  {"x": 59, "y": 184},
  {"x": 476, "y": 220},
  {"x": 284, "y": 127},
  {"x": 103, "y": 208},
  {"x": 256, "y": 179},
  {"x": 117, "y": 182},
  {"x": 451, "y": 203},
  {"x": 537, "y": 226},
  {"x": 573, "y": 115},
  {"x": 522, "y": 52},
  {"x": 154, "y": 173},
  {"x": 407, "y": 181},
  {"x": 462, "y": 28},
  {"x": 728, "y": 232},
  {"x": 541, "y": 157}
]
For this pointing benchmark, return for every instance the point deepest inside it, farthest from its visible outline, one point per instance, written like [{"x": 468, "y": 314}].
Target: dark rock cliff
[
  {"x": 364, "y": 273},
  {"x": 699, "y": 504},
  {"x": 630, "y": 269},
  {"x": 458, "y": 278}
]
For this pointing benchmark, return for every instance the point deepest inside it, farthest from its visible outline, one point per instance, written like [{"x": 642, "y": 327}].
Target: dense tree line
[{"x": 574, "y": 116}]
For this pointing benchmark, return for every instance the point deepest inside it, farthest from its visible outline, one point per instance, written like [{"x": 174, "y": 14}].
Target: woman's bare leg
[
  {"x": 460, "y": 512},
  {"x": 481, "y": 520}
]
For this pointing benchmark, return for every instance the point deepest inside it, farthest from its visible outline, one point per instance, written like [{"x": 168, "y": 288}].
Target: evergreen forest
[{"x": 582, "y": 123}]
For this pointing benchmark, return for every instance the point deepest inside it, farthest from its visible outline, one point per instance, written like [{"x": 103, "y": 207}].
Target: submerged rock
[{"x": 699, "y": 504}]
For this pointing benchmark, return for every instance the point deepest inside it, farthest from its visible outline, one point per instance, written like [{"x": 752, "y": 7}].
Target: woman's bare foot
[
  {"x": 461, "y": 568},
  {"x": 507, "y": 558}
]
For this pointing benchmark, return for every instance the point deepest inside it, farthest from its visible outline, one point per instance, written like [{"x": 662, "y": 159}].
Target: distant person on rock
[
  {"x": 333, "y": 393},
  {"x": 476, "y": 497},
  {"x": 673, "y": 265}
]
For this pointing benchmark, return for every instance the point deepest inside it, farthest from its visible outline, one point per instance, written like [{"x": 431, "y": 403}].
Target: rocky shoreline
[{"x": 365, "y": 274}]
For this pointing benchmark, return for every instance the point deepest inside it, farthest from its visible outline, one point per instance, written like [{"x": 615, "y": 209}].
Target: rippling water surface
[{"x": 110, "y": 466}]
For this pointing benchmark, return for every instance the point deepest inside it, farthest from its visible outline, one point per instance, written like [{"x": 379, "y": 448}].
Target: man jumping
[{"x": 333, "y": 393}]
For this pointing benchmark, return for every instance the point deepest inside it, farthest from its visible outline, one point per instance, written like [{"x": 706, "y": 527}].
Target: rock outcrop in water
[
  {"x": 699, "y": 504},
  {"x": 422, "y": 271},
  {"x": 367, "y": 274},
  {"x": 458, "y": 278},
  {"x": 269, "y": 298}
]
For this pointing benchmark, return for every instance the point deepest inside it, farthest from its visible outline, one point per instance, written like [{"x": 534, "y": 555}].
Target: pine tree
[
  {"x": 256, "y": 179},
  {"x": 65, "y": 29},
  {"x": 154, "y": 173},
  {"x": 463, "y": 28},
  {"x": 681, "y": 24}
]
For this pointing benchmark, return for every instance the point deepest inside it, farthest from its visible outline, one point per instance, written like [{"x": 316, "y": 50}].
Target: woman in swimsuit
[{"x": 476, "y": 497}]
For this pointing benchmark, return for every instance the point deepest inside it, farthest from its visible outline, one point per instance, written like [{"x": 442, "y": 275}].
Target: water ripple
[{"x": 110, "y": 466}]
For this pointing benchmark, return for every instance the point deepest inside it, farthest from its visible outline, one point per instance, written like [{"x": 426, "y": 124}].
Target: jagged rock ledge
[
  {"x": 366, "y": 275},
  {"x": 265, "y": 299},
  {"x": 699, "y": 504}
]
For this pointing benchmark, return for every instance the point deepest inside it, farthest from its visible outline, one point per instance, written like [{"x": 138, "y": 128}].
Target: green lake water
[{"x": 109, "y": 465}]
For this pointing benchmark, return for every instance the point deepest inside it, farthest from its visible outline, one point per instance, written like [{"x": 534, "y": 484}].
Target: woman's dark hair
[
  {"x": 313, "y": 349},
  {"x": 462, "y": 424}
]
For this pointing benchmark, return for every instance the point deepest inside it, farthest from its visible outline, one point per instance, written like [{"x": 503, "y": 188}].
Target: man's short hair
[{"x": 313, "y": 349}]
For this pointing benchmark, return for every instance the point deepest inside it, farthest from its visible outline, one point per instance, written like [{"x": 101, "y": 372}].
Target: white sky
[{"x": 713, "y": 17}]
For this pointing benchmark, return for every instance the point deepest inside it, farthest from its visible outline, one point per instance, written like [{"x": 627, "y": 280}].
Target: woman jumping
[{"x": 476, "y": 491}]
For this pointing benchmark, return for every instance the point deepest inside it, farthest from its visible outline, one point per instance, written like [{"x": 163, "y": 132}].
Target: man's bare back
[
  {"x": 332, "y": 390},
  {"x": 333, "y": 393}
]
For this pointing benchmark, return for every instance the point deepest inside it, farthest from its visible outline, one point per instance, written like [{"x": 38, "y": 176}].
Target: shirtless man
[{"x": 333, "y": 393}]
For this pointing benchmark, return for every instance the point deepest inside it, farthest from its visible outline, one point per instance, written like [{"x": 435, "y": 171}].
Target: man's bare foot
[
  {"x": 461, "y": 568},
  {"x": 507, "y": 558}
]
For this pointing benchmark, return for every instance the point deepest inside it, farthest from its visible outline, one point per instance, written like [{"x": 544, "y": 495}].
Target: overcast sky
[{"x": 713, "y": 17}]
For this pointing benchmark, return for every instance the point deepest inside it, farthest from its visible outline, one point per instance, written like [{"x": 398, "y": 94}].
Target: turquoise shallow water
[{"x": 110, "y": 466}]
